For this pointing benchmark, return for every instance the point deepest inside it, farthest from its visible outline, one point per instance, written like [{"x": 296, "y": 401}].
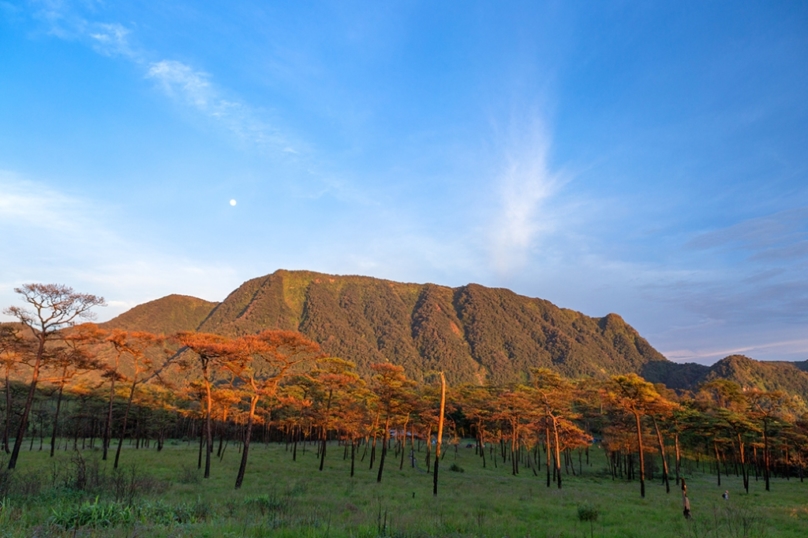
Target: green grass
[{"x": 285, "y": 498}]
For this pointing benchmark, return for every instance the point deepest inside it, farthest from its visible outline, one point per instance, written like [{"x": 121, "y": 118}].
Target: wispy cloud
[
  {"x": 195, "y": 89},
  {"x": 796, "y": 348},
  {"x": 524, "y": 183},
  {"x": 52, "y": 236},
  {"x": 189, "y": 86},
  {"x": 781, "y": 234}
]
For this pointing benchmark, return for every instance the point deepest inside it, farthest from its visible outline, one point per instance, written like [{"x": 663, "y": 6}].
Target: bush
[
  {"x": 590, "y": 513},
  {"x": 456, "y": 468},
  {"x": 95, "y": 514}
]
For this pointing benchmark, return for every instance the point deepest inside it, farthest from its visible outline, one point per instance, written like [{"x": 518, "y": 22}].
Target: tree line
[{"x": 69, "y": 380}]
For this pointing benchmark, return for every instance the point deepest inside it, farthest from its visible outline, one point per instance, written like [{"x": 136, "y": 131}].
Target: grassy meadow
[{"x": 163, "y": 494}]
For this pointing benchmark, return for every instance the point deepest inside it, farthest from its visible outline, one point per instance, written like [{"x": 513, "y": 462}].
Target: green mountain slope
[
  {"x": 164, "y": 316},
  {"x": 475, "y": 334}
]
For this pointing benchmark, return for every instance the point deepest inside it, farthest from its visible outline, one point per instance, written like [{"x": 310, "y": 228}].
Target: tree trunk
[
  {"x": 440, "y": 433},
  {"x": 108, "y": 424},
  {"x": 717, "y": 461},
  {"x": 664, "y": 458},
  {"x": 557, "y": 451},
  {"x": 384, "y": 447},
  {"x": 353, "y": 455},
  {"x": 125, "y": 420},
  {"x": 208, "y": 431},
  {"x": 744, "y": 470},
  {"x": 247, "y": 435},
  {"x": 678, "y": 456},
  {"x": 766, "y": 454},
  {"x": 403, "y": 442},
  {"x": 56, "y": 419},
  {"x": 642, "y": 455},
  {"x": 7, "y": 425},
  {"x": 547, "y": 452},
  {"x": 15, "y": 453}
]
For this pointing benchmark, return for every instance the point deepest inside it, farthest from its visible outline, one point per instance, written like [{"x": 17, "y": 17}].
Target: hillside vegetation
[{"x": 475, "y": 334}]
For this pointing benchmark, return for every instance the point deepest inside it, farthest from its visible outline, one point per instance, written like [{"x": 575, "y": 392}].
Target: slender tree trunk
[
  {"x": 384, "y": 447},
  {"x": 766, "y": 454},
  {"x": 547, "y": 452},
  {"x": 208, "y": 429},
  {"x": 7, "y": 425},
  {"x": 125, "y": 420},
  {"x": 717, "y": 461},
  {"x": 201, "y": 444},
  {"x": 744, "y": 470},
  {"x": 678, "y": 456},
  {"x": 56, "y": 419},
  {"x": 353, "y": 455},
  {"x": 642, "y": 455},
  {"x": 664, "y": 458},
  {"x": 557, "y": 451},
  {"x": 15, "y": 452},
  {"x": 108, "y": 424},
  {"x": 403, "y": 442},
  {"x": 440, "y": 433},
  {"x": 247, "y": 434}
]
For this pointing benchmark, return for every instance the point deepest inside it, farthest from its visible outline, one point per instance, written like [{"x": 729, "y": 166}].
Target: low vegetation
[{"x": 152, "y": 496}]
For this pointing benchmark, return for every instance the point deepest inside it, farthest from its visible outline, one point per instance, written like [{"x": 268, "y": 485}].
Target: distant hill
[
  {"x": 475, "y": 334},
  {"x": 168, "y": 315}
]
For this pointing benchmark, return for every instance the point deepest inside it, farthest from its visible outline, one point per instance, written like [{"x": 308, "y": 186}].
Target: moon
[{"x": 233, "y": 202}]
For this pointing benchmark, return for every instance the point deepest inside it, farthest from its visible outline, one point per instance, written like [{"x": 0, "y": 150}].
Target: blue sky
[{"x": 644, "y": 158}]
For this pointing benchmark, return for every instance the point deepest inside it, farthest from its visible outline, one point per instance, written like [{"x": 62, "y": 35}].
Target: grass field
[{"x": 163, "y": 494}]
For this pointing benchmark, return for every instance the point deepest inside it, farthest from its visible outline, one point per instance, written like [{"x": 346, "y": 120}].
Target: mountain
[
  {"x": 168, "y": 315},
  {"x": 475, "y": 334}
]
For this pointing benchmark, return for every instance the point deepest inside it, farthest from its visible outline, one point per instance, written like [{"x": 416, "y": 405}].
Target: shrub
[
  {"x": 95, "y": 514},
  {"x": 590, "y": 513}
]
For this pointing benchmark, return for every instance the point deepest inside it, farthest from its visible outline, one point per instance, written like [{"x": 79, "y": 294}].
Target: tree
[
  {"x": 637, "y": 397},
  {"x": 210, "y": 351},
  {"x": 769, "y": 408},
  {"x": 262, "y": 361},
  {"x": 725, "y": 403},
  {"x": 394, "y": 398},
  {"x": 70, "y": 360},
  {"x": 517, "y": 411},
  {"x": 51, "y": 307},
  {"x": 440, "y": 433},
  {"x": 477, "y": 403},
  {"x": 135, "y": 345},
  {"x": 554, "y": 396},
  {"x": 333, "y": 385}
]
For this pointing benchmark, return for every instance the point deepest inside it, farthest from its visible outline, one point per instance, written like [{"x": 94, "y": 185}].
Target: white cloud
[
  {"x": 178, "y": 79},
  {"x": 194, "y": 88},
  {"x": 111, "y": 39},
  {"x": 190, "y": 86},
  {"x": 525, "y": 183},
  {"x": 51, "y": 236}
]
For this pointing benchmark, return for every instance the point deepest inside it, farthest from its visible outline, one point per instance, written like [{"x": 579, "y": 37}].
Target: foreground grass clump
[{"x": 163, "y": 494}]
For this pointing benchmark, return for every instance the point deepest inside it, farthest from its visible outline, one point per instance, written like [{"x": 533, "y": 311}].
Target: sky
[{"x": 643, "y": 158}]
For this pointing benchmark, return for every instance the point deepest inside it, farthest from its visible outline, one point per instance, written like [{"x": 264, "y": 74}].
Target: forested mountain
[{"x": 475, "y": 334}]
